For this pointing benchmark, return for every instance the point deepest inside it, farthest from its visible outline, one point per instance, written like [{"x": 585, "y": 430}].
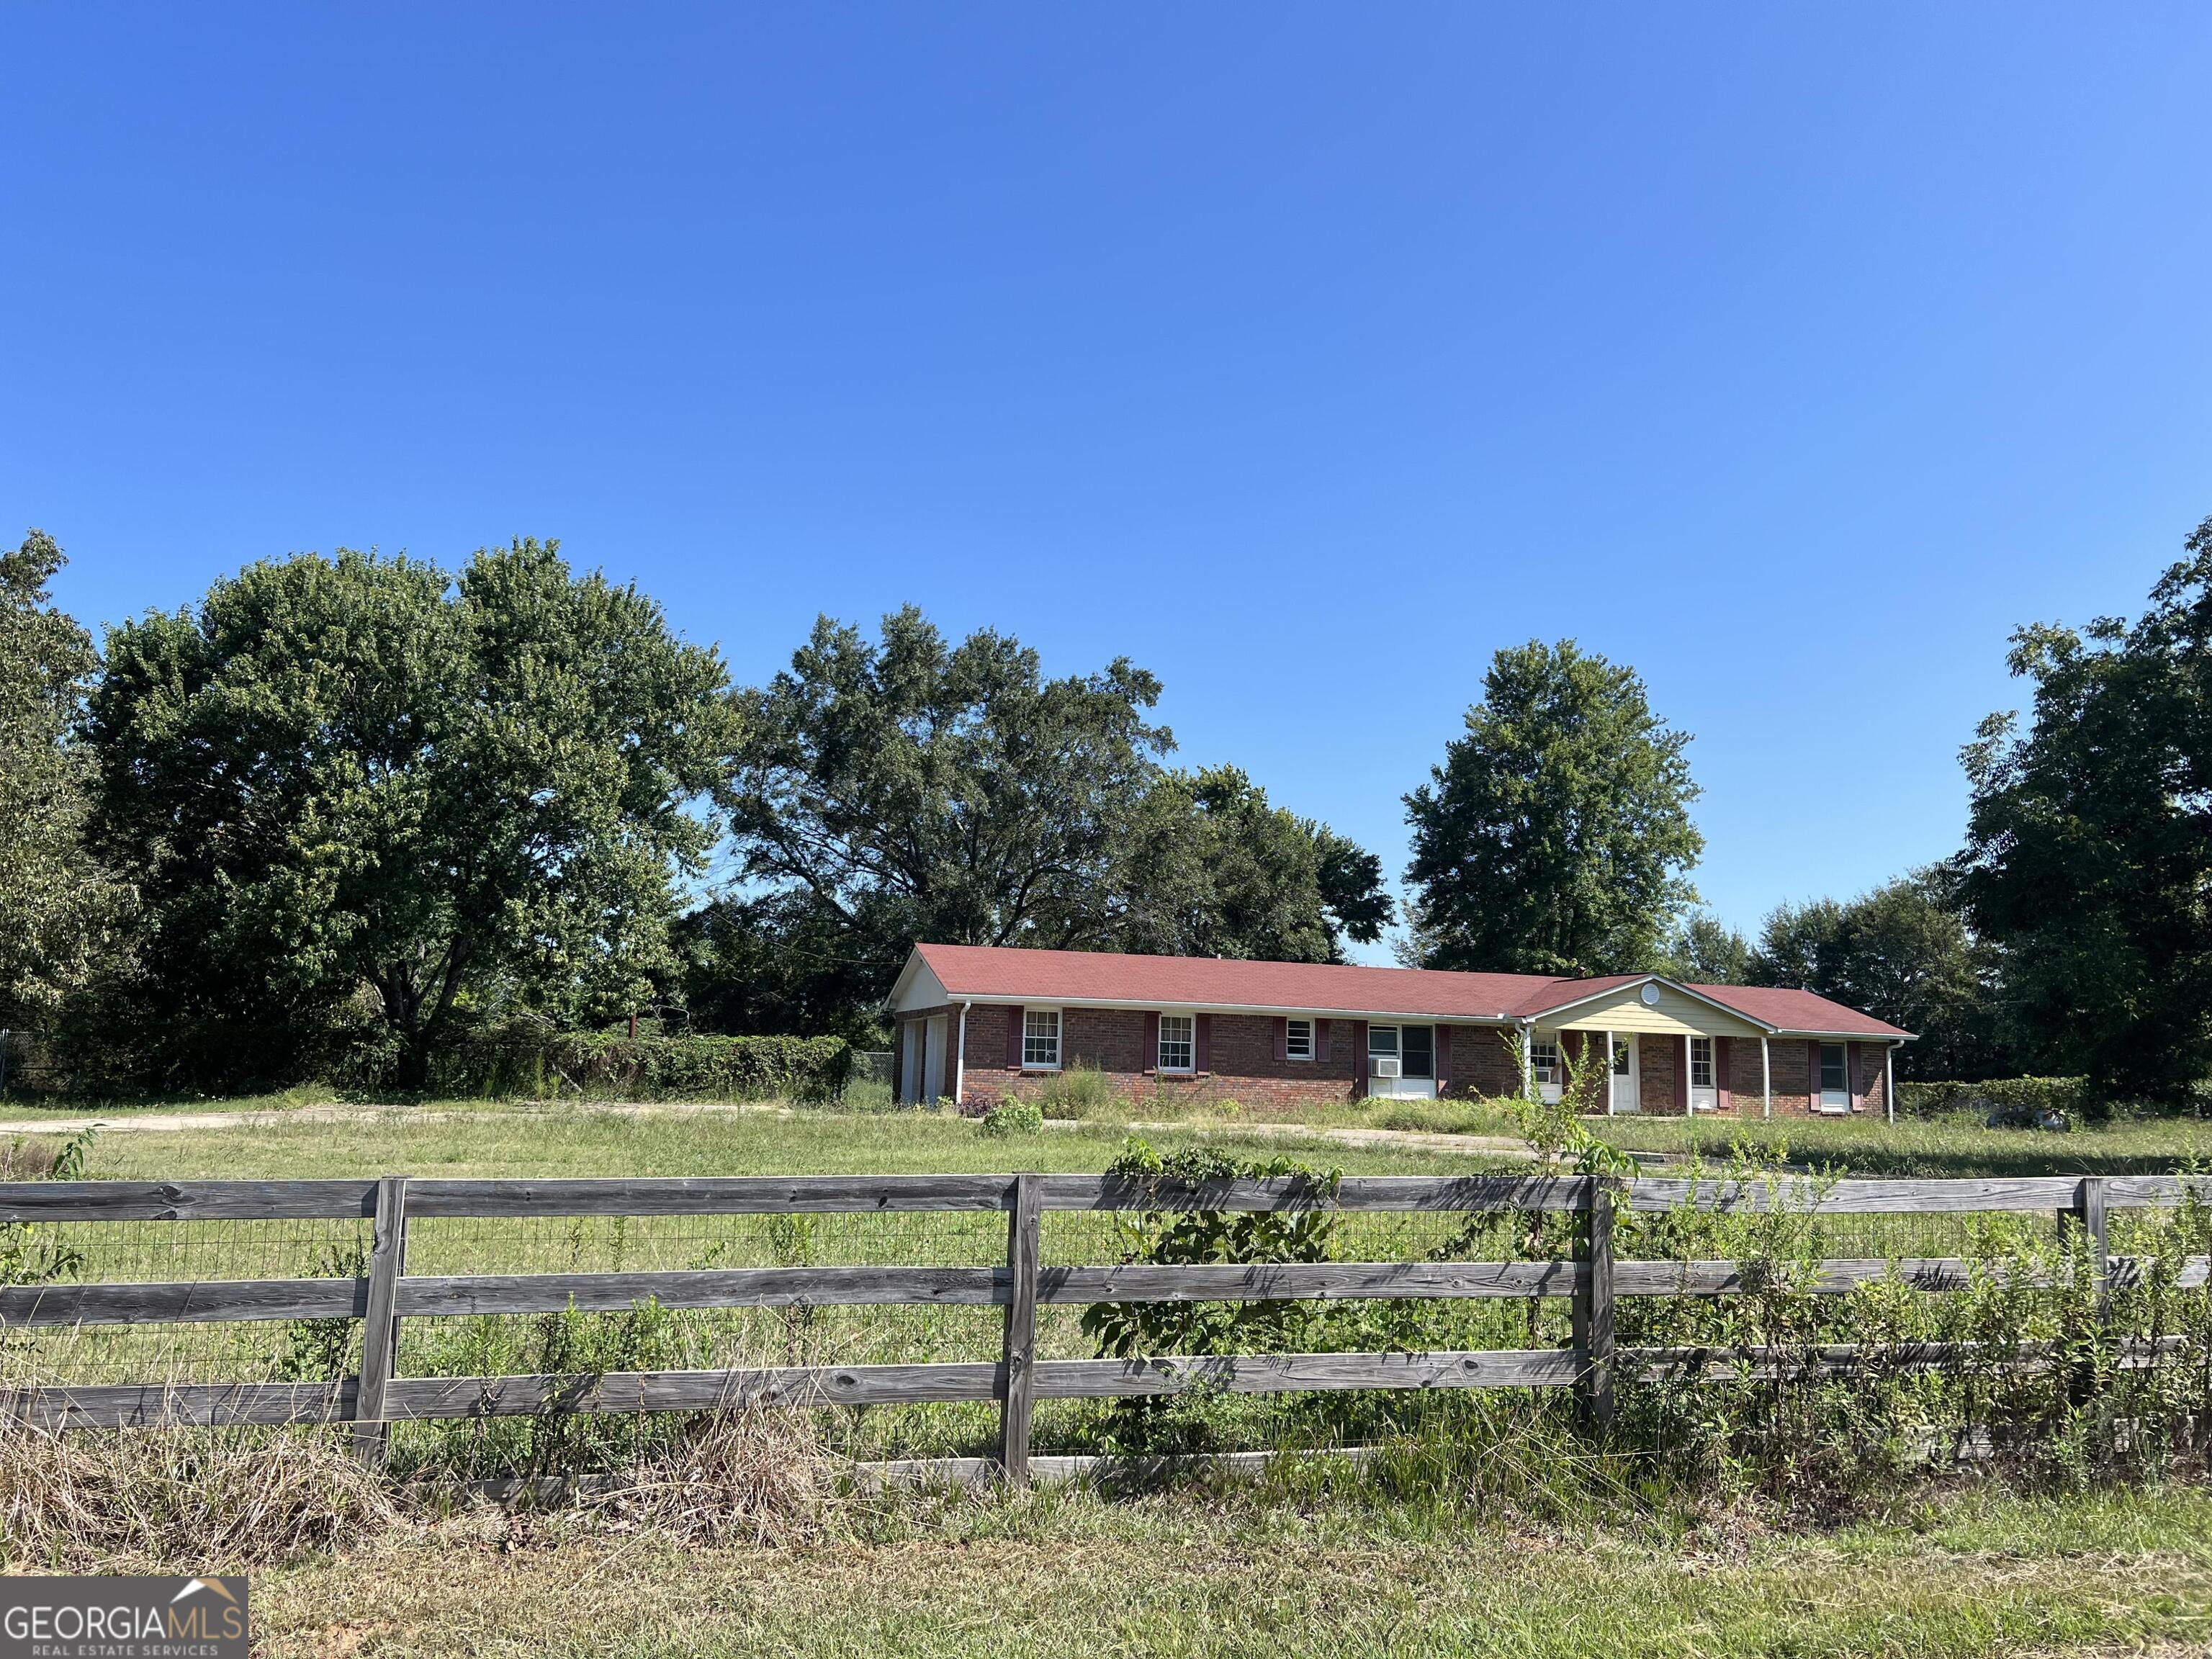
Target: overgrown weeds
[
  {"x": 754, "y": 1476},
  {"x": 1079, "y": 1093},
  {"x": 88, "y": 1500}
]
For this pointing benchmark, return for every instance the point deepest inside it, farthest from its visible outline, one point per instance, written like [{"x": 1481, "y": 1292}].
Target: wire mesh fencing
[{"x": 896, "y": 1296}]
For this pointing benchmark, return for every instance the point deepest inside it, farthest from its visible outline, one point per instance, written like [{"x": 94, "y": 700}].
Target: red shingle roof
[{"x": 999, "y": 972}]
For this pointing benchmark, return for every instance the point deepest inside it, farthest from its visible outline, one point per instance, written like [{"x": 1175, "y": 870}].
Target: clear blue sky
[{"x": 1792, "y": 354}]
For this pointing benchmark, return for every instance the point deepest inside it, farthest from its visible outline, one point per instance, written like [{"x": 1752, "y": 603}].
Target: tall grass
[{"x": 82, "y": 1501}]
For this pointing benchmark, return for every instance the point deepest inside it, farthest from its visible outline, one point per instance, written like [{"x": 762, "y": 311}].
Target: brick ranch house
[{"x": 977, "y": 1022}]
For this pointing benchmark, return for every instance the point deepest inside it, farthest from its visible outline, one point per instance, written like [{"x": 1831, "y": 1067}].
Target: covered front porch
[{"x": 1653, "y": 1047}]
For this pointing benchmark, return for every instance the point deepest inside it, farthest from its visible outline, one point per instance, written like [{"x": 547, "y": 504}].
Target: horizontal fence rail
[{"x": 387, "y": 1293}]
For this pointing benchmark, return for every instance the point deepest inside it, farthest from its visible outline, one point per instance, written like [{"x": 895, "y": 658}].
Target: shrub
[
  {"x": 1167, "y": 1237},
  {"x": 1011, "y": 1117},
  {"x": 538, "y": 1064},
  {"x": 1081, "y": 1091},
  {"x": 2007, "y": 1100}
]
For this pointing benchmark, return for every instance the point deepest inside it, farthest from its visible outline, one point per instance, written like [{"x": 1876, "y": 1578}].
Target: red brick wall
[
  {"x": 1482, "y": 1063},
  {"x": 1870, "y": 1076},
  {"x": 1243, "y": 1065},
  {"x": 1656, "y": 1069},
  {"x": 1793, "y": 1077}
]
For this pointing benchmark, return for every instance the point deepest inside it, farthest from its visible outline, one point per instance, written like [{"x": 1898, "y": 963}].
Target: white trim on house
[{"x": 1289, "y": 1049}]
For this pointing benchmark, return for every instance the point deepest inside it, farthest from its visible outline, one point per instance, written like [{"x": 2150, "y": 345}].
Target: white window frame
[
  {"x": 1711, "y": 1061},
  {"x": 1031, "y": 1039},
  {"x": 1544, "y": 1059},
  {"x": 1188, "y": 1042},
  {"x": 1290, "y": 1039}
]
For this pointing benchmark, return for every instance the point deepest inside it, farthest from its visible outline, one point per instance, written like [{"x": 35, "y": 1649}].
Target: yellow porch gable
[{"x": 1676, "y": 1013}]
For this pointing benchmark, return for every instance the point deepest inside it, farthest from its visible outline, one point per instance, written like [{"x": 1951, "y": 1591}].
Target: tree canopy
[
  {"x": 1903, "y": 954},
  {"x": 2088, "y": 854},
  {"x": 1706, "y": 951},
  {"x": 58, "y": 909},
  {"x": 1215, "y": 870},
  {"x": 908, "y": 788},
  {"x": 1555, "y": 838},
  {"x": 367, "y": 781}
]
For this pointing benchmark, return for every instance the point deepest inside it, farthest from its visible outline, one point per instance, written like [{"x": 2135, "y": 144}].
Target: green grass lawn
[
  {"x": 1068, "y": 1573},
  {"x": 488, "y": 1138},
  {"x": 1937, "y": 1147},
  {"x": 577, "y": 1140}
]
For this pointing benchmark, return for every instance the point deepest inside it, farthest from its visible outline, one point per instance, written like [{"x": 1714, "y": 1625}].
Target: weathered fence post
[
  {"x": 1593, "y": 1308},
  {"x": 2089, "y": 1215},
  {"x": 379, "y": 1328},
  {"x": 1017, "y": 1374}
]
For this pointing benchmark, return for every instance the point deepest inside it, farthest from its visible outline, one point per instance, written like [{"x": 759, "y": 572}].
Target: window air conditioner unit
[{"x": 1383, "y": 1065}]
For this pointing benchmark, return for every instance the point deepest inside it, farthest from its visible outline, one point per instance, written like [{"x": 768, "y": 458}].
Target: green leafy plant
[
  {"x": 321, "y": 1350},
  {"x": 1010, "y": 1118},
  {"x": 1165, "y": 1236},
  {"x": 33, "y": 1254}
]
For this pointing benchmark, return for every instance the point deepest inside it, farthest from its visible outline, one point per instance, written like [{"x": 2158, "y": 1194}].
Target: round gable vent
[{"x": 1650, "y": 996}]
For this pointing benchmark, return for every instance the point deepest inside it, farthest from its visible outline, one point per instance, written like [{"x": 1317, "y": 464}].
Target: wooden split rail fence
[{"x": 377, "y": 1397}]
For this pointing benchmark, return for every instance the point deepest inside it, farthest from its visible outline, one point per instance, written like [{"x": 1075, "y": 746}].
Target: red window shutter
[
  {"x": 1151, "y": 1055},
  {"x": 1283, "y": 1039},
  {"x": 1321, "y": 1041},
  {"x": 1359, "y": 1060},
  {"x": 1202, "y": 1056},
  {"x": 1721, "y": 1057},
  {"x": 1014, "y": 1023},
  {"x": 1682, "y": 1074},
  {"x": 1813, "y": 1074},
  {"x": 1443, "y": 1057}
]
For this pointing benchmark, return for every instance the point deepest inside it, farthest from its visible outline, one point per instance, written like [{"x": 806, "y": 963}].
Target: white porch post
[
  {"x": 1766, "y": 1078},
  {"x": 1611, "y": 1083},
  {"x": 960, "y": 1060},
  {"x": 1889, "y": 1081},
  {"x": 1527, "y": 1059}
]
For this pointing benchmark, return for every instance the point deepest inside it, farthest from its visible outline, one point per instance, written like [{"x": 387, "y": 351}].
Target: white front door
[
  {"x": 1835, "y": 1078},
  {"x": 1625, "y": 1072},
  {"x": 932, "y": 1064},
  {"x": 1705, "y": 1088}
]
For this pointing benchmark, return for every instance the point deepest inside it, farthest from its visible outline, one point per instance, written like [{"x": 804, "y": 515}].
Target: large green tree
[
  {"x": 920, "y": 790},
  {"x": 1214, "y": 869},
  {"x": 2088, "y": 854},
  {"x": 59, "y": 908},
  {"x": 1555, "y": 838},
  {"x": 1902, "y": 953},
  {"x": 367, "y": 782},
  {"x": 908, "y": 788}
]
